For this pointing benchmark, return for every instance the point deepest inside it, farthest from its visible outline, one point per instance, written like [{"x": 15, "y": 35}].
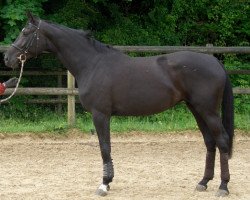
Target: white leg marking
[{"x": 103, "y": 188}]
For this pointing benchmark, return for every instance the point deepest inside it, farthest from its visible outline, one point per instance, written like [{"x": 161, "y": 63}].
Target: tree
[{"x": 13, "y": 16}]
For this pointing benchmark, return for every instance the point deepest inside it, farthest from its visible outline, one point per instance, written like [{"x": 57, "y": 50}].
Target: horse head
[{"x": 30, "y": 43}]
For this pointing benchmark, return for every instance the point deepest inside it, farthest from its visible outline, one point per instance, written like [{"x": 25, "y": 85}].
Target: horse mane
[{"x": 99, "y": 46}]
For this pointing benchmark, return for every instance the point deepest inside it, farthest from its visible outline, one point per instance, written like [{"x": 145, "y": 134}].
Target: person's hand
[
  {"x": 10, "y": 83},
  {"x": 2, "y": 88}
]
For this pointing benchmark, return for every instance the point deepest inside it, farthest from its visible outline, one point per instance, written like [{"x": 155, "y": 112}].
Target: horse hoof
[
  {"x": 222, "y": 193},
  {"x": 101, "y": 193},
  {"x": 102, "y": 190},
  {"x": 201, "y": 188}
]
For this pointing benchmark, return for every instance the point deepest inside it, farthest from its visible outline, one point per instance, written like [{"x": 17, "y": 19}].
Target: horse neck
[{"x": 70, "y": 47}]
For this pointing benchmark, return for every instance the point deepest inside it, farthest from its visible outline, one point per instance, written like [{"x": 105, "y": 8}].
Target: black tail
[{"x": 228, "y": 113}]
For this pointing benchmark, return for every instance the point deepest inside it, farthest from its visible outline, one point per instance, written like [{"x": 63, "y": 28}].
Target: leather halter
[{"x": 30, "y": 42}]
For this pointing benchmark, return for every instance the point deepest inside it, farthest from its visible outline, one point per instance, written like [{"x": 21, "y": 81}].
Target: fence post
[
  {"x": 210, "y": 45},
  {"x": 59, "y": 84},
  {"x": 71, "y": 100}
]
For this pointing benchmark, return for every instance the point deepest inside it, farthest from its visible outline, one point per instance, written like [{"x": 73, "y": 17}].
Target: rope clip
[{"x": 22, "y": 58}]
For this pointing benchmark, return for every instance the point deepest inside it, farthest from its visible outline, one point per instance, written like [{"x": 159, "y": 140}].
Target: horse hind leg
[
  {"x": 222, "y": 142},
  {"x": 221, "y": 138},
  {"x": 211, "y": 150}
]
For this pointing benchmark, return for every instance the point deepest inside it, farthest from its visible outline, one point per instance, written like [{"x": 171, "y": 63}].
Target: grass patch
[
  {"x": 51, "y": 124},
  {"x": 177, "y": 119}
]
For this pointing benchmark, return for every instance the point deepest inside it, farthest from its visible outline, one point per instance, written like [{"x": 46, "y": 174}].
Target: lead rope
[{"x": 22, "y": 59}]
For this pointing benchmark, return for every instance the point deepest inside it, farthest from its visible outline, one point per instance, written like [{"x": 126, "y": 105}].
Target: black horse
[{"x": 112, "y": 83}]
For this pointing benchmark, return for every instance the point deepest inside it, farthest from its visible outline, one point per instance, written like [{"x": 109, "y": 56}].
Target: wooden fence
[{"x": 71, "y": 91}]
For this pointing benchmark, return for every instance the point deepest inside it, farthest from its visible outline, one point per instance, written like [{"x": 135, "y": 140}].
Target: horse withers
[{"x": 112, "y": 83}]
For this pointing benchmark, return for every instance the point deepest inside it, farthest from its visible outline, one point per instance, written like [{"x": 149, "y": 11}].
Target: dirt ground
[{"x": 159, "y": 166}]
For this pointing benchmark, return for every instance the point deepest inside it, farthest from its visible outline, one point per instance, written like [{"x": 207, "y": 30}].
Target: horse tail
[{"x": 228, "y": 113}]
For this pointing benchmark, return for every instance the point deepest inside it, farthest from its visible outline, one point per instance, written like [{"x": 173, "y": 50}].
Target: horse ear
[{"x": 31, "y": 17}]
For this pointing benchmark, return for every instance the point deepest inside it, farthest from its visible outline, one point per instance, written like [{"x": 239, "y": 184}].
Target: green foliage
[
  {"x": 13, "y": 14},
  {"x": 73, "y": 13},
  {"x": 165, "y": 22},
  {"x": 179, "y": 22},
  {"x": 18, "y": 109}
]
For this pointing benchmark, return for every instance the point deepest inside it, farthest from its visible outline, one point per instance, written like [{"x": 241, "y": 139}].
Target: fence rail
[
  {"x": 209, "y": 48},
  {"x": 71, "y": 91},
  {"x": 35, "y": 73},
  {"x": 67, "y": 91},
  {"x": 64, "y": 73}
]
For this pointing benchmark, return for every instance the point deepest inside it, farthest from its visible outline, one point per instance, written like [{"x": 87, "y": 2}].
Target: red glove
[{"x": 2, "y": 88}]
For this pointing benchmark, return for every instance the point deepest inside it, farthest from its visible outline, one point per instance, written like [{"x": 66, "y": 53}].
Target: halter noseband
[{"x": 26, "y": 48}]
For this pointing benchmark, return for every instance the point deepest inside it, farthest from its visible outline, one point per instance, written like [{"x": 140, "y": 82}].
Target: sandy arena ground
[{"x": 146, "y": 167}]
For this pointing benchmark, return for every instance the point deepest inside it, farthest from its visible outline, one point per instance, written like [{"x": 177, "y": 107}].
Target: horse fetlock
[
  {"x": 223, "y": 185},
  {"x": 202, "y": 185}
]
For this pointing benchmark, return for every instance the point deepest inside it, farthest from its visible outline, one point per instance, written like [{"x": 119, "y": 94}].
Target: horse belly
[{"x": 145, "y": 102}]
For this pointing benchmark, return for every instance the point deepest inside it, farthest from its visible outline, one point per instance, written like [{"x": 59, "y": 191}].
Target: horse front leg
[{"x": 102, "y": 125}]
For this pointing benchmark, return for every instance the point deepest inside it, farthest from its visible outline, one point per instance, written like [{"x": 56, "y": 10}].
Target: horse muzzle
[{"x": 13, "y": 62}]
